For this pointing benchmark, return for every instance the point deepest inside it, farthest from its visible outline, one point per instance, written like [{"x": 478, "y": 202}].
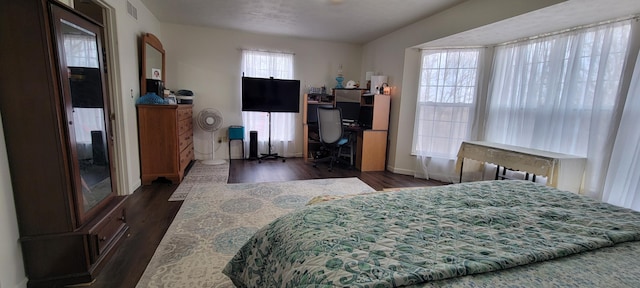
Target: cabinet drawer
[
  {"x": 107, "y": 231},
  {"x": 185, "y": 157},
  {"x": 184, "y": 113},
  {"x": 185, "y": 126}
]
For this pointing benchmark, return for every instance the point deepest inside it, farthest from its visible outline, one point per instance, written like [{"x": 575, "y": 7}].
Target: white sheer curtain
[
  {"x": 81, "y": 51},
  {"x": 560, "y": 93},
  {"x": 444, "y": 110},
  {"x": 264, "y": 64},
  {"x": 622, "y": 185}
]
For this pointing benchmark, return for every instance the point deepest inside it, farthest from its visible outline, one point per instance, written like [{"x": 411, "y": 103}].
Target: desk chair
[{"x": 330, "y": 131}]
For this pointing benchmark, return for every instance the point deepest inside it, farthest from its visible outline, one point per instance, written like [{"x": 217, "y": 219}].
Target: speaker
[
  {"x": 253, "y": 145},
  {"x": 99, "y": 147}
]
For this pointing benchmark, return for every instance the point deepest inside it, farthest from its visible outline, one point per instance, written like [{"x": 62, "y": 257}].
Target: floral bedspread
[{"x": 419, "y": 235}]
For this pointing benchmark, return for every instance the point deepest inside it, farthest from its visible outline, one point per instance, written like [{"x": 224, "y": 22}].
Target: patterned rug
[
  {"x": 215, "y": 220},
  {"x": 200, "y": 174}
]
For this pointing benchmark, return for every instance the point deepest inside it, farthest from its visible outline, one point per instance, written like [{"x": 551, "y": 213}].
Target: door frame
[{"x": 115, "y": 100}]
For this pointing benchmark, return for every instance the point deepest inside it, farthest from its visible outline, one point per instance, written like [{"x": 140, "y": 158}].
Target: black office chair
[{"x": 331, "y": 134}]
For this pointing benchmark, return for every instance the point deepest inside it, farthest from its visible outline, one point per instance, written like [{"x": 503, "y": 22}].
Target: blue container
[{"x": 236, "y": 133}]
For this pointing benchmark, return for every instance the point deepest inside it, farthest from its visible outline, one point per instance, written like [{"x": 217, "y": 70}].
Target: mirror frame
[{"x": 154, "y": 42}]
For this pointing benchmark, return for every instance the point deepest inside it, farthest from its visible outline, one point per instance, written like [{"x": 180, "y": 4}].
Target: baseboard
[
  {"x": 134, "y": 186},
  {"x": 401, "y": 171}
]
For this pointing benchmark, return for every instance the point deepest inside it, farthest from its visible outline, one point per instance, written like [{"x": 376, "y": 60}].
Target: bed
[{"x": 479, "y": 234}]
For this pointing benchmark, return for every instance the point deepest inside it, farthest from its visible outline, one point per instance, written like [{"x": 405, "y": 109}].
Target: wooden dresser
[{"x": 165, "y": 135}]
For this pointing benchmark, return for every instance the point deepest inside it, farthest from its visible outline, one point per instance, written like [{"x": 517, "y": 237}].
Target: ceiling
[
  {"x": 351, "y": 21},
  {"x": 565, "y": 15},
  {"x": 361, "y": 21}
]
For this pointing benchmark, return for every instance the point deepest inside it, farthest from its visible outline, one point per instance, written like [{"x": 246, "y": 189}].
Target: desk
[
  {"x": 371, "y": 150},
  {"x": 350, "y": 132},
  {"x": 563, "y": 171}
]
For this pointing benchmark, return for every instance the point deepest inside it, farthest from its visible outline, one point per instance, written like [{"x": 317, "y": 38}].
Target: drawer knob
[
  {"x": 103, "y": 238},
  {"x": 121, "y": 218}
]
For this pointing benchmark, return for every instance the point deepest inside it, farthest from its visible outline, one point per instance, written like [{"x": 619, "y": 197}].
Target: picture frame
[{"x": 156, "y": 74}]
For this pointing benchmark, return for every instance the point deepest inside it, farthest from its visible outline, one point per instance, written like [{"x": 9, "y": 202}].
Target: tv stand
[{"x": 270, "y": 155}]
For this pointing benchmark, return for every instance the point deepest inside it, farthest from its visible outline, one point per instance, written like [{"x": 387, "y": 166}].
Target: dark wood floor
[{"x": 149, "y": 214}]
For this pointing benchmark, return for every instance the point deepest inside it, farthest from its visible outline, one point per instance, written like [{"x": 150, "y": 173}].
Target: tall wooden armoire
[{"x": 55, "y": 115}]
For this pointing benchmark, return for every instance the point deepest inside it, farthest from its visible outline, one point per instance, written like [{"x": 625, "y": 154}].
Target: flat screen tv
[
  {"x": 270, "y": 95},
  {"x": 86, "y": 87}
]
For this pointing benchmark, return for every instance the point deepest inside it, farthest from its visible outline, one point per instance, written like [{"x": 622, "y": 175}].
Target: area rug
[
  {"x": 200, "y": 174},
  {"x": 215, "y": 220}
]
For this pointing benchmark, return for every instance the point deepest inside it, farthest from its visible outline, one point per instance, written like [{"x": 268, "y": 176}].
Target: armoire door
[{"x": 86, "y": 109}]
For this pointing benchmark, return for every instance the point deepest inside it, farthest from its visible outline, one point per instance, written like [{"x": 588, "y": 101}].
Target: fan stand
[{"x": 213, "y": 160}]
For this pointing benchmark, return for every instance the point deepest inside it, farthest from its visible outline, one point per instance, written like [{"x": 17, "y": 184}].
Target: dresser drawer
[
  {"x": 184, "y": 113},
  {"x": 185, "y": 157},
  {"x": 185, "y": 126},
  {"x": 108, "y": 231},
  {"x": 184, "y": 140}
]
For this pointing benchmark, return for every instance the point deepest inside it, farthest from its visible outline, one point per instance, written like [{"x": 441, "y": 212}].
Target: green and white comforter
[{"x": 419, "y": 235}]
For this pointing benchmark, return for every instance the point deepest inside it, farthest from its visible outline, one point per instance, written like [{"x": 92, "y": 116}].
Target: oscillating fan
[{"x": 210, "y": 120}]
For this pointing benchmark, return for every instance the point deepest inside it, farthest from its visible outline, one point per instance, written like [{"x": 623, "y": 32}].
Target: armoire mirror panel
[{"x": 89, "y": 131}]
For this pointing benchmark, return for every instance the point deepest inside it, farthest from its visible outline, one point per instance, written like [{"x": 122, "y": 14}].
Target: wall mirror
[{"x": 152, "y": 67}]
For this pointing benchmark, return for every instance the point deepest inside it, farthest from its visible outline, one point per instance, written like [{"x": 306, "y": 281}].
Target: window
[
  {"x": 559, "y": 93},
  {"x": 446, "y": 101},
  {"x": 264, "y": 65}
]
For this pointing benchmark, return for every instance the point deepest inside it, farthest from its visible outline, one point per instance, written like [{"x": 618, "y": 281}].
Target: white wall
[
  {"x": 207, "y": 61},
  {"x": 128, "y": 32},
  {"x": 11, "y": 265},
  {"x": 393, "y": 56}
]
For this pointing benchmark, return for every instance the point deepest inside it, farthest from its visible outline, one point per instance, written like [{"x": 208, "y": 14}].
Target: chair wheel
[{"x": 283, "y": 160}]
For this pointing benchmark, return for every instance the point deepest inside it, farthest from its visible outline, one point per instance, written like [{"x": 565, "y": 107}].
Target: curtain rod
[
  {"x": 269, "y": 51},
  {"x": 581, "y": 27},
  {"x": 453, "y": 47}
]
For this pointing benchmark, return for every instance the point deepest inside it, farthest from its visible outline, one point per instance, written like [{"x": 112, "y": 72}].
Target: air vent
[{"x": 132, "y": 10}]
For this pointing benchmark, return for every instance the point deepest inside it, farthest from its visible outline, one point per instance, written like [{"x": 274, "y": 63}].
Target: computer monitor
[
  {"x": 350, "y": 111},
  {"x": 312, "y": 112}
]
